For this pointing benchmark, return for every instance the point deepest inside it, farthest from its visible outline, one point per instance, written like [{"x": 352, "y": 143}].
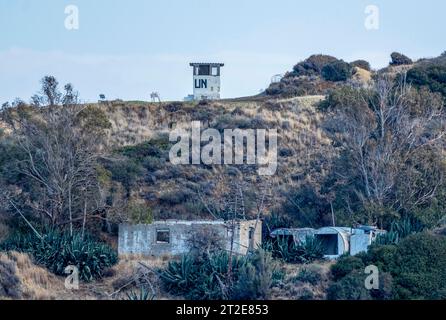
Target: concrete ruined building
[
  {"x": 173, "y": 237},
  {"x": 206, "y": 78},
  {"x": 335, "y": 241}
]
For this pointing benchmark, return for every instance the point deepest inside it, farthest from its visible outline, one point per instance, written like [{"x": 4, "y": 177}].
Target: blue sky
[{"x": 127, "y": 49}]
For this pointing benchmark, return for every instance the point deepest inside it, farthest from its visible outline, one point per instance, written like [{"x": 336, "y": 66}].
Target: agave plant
[
  {"x": 309, "y": 250},
  {"x": 207, "y": 277},
  {"x": 57, "y": 250},
  {"x": 141, "y": 295},
  {"x": 179, "y": 274},
  {"x": 399, "y": 230}
]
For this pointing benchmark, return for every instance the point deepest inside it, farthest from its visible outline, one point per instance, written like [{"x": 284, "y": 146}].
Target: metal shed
[{"x": 335, "y": 240}]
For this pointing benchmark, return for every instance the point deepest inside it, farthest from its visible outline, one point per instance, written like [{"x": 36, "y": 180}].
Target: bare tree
[
  {"x": 383, "y": 139},
  {"x": 60, "y": 157}
]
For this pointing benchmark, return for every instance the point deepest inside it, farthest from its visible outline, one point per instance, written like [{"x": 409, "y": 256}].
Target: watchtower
[{"x": 206, "y": 80}]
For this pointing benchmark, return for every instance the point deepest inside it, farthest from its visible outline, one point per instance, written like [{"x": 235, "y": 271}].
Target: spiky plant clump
[
  {"x": 287, "y": 250},
  {"x": 208, "y": 277},
  {"x": 57, "y": 250},
  {"x": 142, "y": 295},
  {"x": 400, "y": 230},
  {"x": 199, "y": 278}
]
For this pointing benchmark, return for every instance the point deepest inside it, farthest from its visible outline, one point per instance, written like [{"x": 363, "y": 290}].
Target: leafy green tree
[
  {"x": 399, "y": 59},
  {"x": 337, "y": 71}
]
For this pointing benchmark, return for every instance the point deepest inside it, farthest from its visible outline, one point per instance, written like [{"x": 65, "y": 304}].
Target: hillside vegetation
[{"x": 355, "y": 146}]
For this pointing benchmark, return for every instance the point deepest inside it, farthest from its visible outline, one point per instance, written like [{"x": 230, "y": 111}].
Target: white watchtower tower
[{"x": 206, "y": 80}]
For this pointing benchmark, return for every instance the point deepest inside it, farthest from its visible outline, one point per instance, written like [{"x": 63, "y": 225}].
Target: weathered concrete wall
[{"x": 142, "y": 239}]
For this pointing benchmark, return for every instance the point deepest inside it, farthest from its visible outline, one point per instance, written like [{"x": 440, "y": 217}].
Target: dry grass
[
  {"x": 300, "y": 136},
  {"x": 36, "y": 283},
  {"x": 121, "y": 281},
  {"x": 292, "y": 289},
  {"x": 133, "y": 271},
  {"x": 362, "y": 76}
]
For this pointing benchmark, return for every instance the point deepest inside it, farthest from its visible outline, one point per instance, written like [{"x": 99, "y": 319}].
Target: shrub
[
  {"x": 337, "y": 71},
  {"x": 399, "y": 59},
  {"x": 153, "y": 163},
  {"x": 93, "y": 119},
  {"x": 420, "y": 269},
  {"x": 57, "y": 250},
  {"x": 291, "y": 86},
  {"x": 203, "y": 102},
  {"x": 155, "y": 147},
  {"x": 176, "y": 197},
  {"x": 350, "y": 287},
  {"x": 140, "y": 213},
  {"x": 415, "y": 268},
  {"x": 309, "y": 276},
  {"x": 387, "y": 238},
  {"x": 346, "y": 265},
  {"x": 286, "y": 152},
  {"x": 312, "y": 65},
  {"x": 254, "y": 278},
  {"x": 382, "y": 256},
  {"x": 173, "y": 107},
  {"x": 344, "y": 97},
  {"x": 278, "y": 276},
  {"x": 361, "y": 64},
  {"x": 432, "y": 76},
  {"x": 104, "y": 176},
  {"x": 306, "y": 294},
  {"x": 125, "y": 172}
]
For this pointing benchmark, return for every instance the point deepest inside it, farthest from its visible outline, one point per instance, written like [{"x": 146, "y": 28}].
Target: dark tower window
[{"x": 204, "y": 70}]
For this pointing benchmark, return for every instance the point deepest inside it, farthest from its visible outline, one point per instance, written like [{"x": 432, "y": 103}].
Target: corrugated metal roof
[
  {"x": 342, "y": 230},
  {"x": 290, "y": 231},
  {"x": 192, "y": 64}
]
